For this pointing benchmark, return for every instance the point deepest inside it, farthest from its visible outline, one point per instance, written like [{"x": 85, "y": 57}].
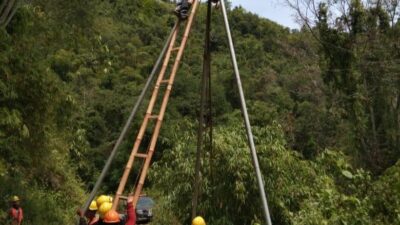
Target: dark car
[{"x": 144, "y": 212}]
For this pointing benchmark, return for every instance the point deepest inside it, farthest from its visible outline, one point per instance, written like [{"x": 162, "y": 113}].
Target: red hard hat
[{"x": 111, "y": 216}]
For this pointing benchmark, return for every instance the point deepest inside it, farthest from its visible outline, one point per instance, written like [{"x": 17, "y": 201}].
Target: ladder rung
[
  {"x": 176, "y": 49},
  {"x": 165, "y": 81},
  {"x": 153, "y": 117},
  {"x": 141, "y": 155},
  {"x": 123, "y": 197}
]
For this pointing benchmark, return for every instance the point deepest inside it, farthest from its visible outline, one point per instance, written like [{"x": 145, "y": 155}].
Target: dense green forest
[{"x": 324, "y": 102}]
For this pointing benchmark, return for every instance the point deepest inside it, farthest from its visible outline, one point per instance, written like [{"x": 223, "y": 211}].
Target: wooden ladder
[{"x": 150, "y": 115}]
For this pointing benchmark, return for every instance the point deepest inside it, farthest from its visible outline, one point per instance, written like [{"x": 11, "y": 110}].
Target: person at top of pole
[
  {"x": 182, "y": 9},
  {"x": 183, "y": 6}
]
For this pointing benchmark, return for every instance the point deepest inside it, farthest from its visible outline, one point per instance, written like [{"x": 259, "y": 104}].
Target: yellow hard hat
[
  {"x": 14, "y": 198},
  {"x": 104, "y": 208},
  {"x": 103, "y": 198},
  {"x": 93, "y": 206},
  {"x": 198, "y": 221}
]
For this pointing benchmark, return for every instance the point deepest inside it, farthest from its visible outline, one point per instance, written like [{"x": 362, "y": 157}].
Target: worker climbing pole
[{"x": 172, "y": 53}]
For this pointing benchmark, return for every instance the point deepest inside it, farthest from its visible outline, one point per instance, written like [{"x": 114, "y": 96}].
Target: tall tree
[{"x": 360, "y": 66}]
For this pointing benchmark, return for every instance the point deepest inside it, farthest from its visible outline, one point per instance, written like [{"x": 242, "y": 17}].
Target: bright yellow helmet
[
  {"x": 93, "y": 206},
  {"x": 198, "y": 221},
  {"x": 103, "y": 198},
  {"x": 104, "y": 208}
]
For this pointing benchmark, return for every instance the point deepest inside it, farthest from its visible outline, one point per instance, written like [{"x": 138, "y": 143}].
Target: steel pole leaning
[
  {"x": 246, "y": 117},
  {"x": 128, "y": 123}
]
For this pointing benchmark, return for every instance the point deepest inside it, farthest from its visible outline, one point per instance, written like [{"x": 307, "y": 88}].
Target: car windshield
[{"x": 145, "y": 202}]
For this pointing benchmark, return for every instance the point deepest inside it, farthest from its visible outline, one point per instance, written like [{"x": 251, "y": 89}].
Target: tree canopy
[{"x": 324, "y": 102}]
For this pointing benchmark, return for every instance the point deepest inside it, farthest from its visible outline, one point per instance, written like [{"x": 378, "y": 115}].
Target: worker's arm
[
  {"x": 131, "y": 212},
  {"x": 20, "y": 216}
]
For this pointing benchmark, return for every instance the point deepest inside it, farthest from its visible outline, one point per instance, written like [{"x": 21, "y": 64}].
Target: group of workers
[{"x": 100, "y": 212}]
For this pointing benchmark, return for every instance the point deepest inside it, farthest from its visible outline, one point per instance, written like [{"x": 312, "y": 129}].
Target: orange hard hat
[{"x": 111, "y": 216}]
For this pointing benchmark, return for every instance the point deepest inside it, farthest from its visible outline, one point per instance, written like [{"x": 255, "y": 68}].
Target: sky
[{"x": 275, "y": 10}]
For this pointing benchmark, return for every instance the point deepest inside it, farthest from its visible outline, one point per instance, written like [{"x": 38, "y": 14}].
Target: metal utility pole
[{"x": 246, "y": 117}]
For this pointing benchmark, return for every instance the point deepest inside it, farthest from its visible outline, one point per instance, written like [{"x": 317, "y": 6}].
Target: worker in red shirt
[{"x": 16, "y": 212}]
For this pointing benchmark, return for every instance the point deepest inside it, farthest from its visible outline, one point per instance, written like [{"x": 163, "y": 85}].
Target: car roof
[{"x": 145, "y": 202}]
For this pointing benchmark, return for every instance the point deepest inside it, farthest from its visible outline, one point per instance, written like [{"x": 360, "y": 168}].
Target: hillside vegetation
[{"x": 324, "y": 102}]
